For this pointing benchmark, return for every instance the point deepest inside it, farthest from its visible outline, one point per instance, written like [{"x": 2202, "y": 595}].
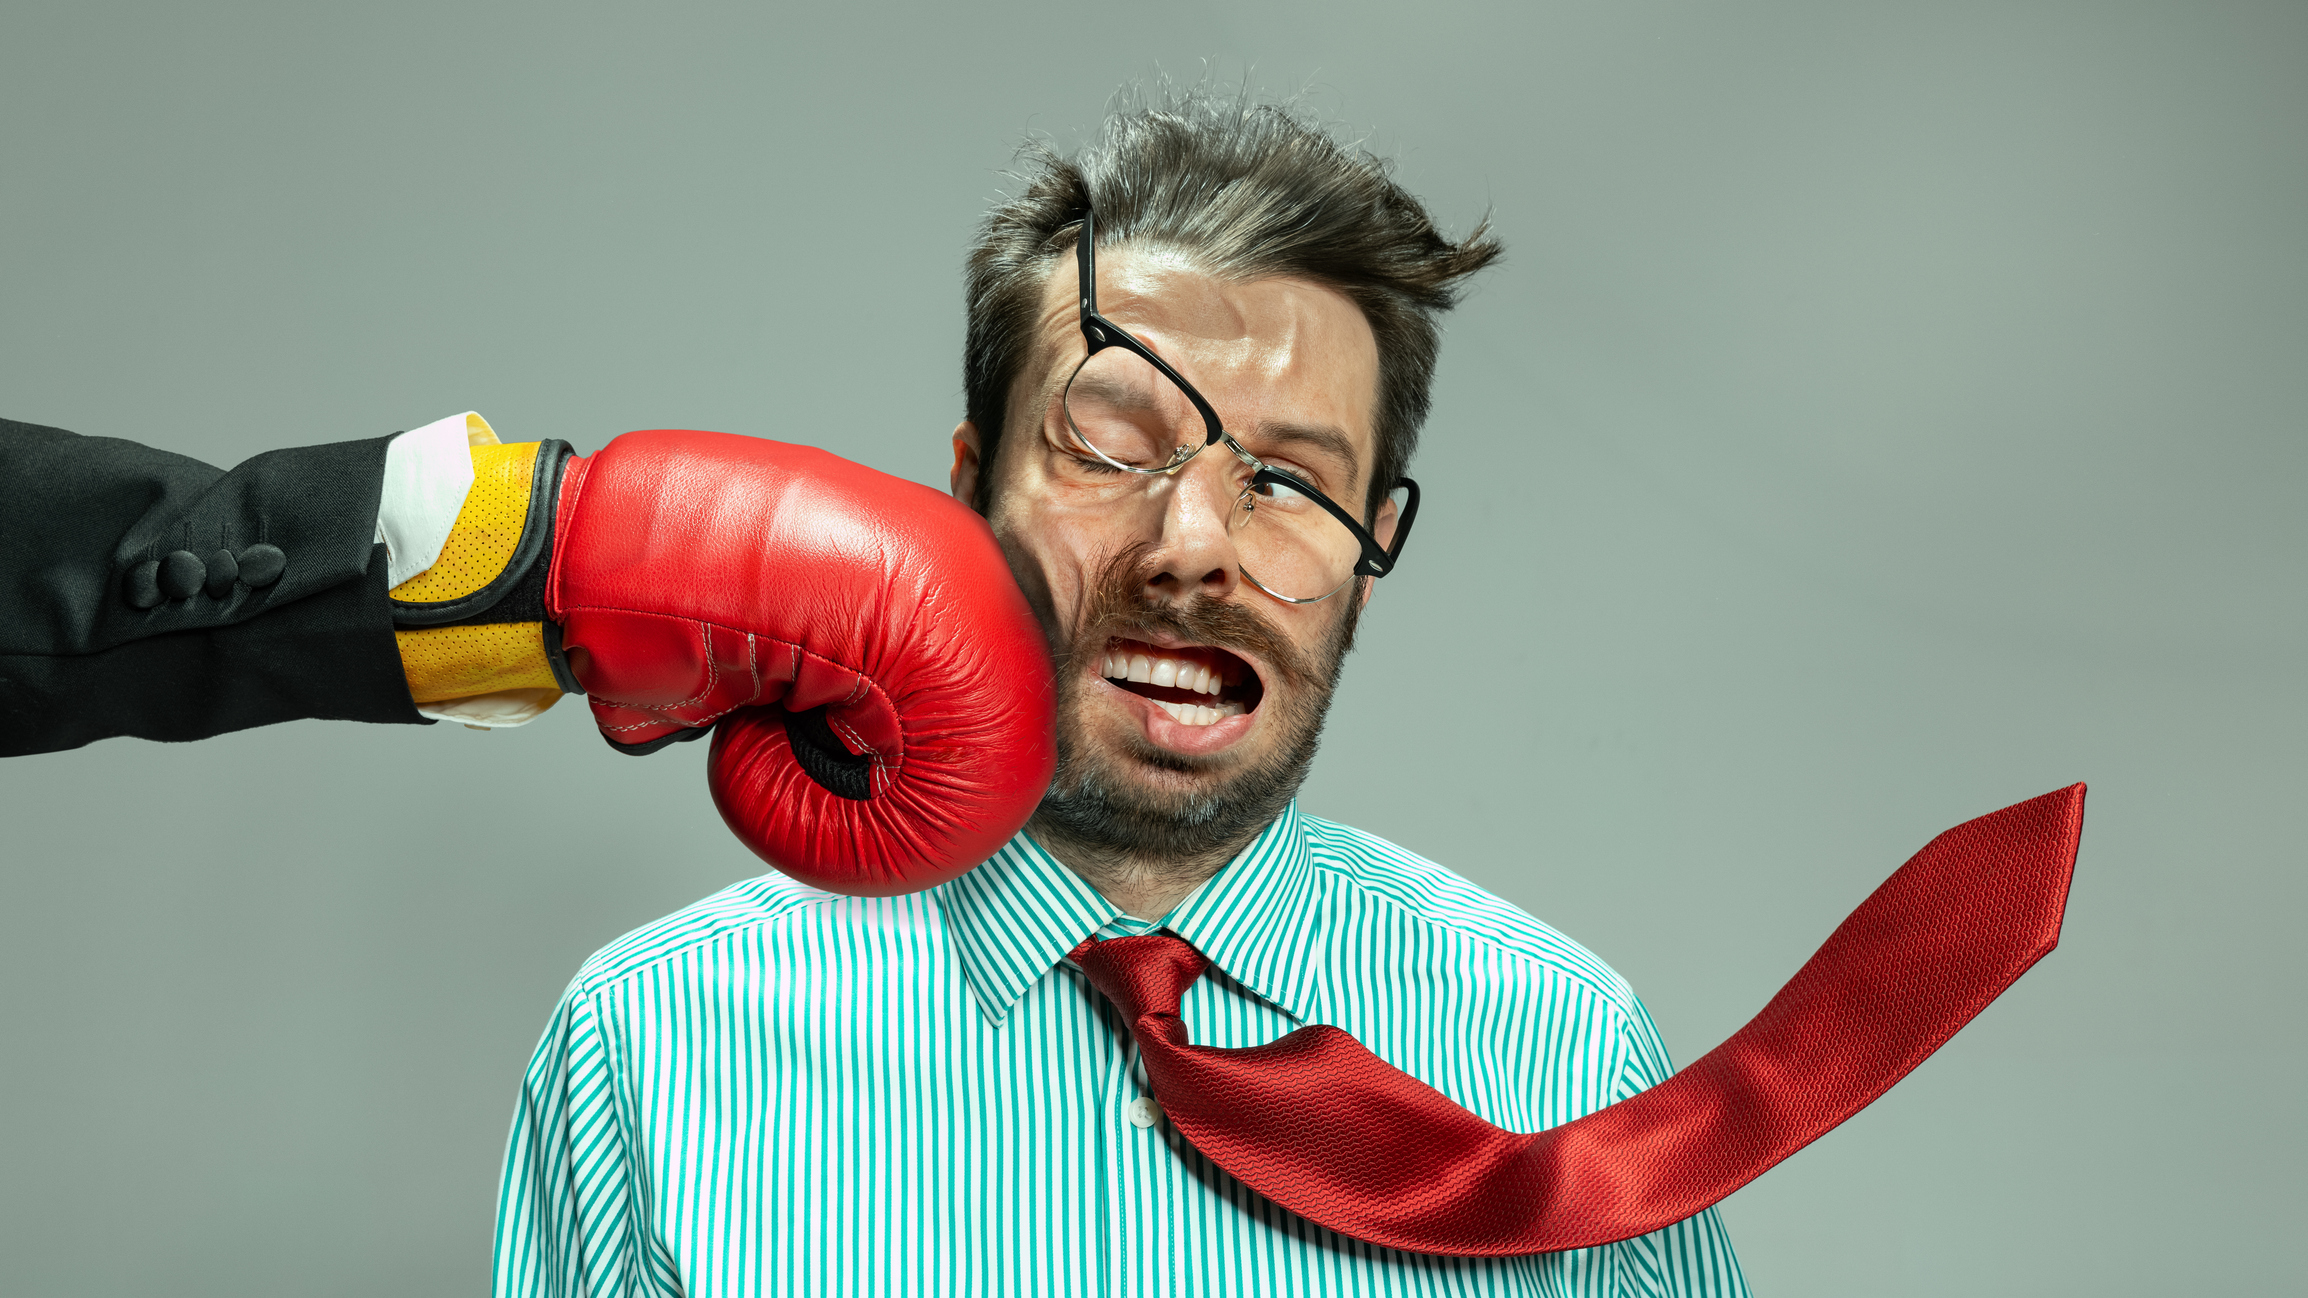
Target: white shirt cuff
[
  {"x": 428, "y": 473},
  {"x": 502, "y": 710}
]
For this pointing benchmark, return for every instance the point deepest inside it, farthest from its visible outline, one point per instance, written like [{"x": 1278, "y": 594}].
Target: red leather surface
[
  {"x": 1320, "y": 1125},
  {"x": 702, "y": 577}
]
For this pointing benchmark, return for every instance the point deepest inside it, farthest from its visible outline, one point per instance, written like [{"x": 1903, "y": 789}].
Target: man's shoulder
[
  {"x": 749, "y": 906},
  {"x": 1421, "y": 892}
]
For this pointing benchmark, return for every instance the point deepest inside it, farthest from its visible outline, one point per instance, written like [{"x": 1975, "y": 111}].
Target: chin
[{"x": 1120, "y": 789}]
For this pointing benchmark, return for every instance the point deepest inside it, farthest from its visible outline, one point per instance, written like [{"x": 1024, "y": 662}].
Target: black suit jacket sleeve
[{"x": 81, "y": 661}]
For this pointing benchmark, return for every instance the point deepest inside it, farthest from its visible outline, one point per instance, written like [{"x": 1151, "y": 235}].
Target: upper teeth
[{"x": 1178, "y": 673}]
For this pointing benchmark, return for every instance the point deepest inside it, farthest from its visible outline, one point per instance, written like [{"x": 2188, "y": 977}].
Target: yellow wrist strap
[{"x": 476, "y": 658}]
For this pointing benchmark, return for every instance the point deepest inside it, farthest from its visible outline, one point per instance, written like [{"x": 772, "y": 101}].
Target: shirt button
[{"x": 1143, "y": 1111}]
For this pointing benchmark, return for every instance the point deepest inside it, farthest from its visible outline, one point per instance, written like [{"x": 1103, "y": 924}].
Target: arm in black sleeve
[{"x": 145, "y": 593}]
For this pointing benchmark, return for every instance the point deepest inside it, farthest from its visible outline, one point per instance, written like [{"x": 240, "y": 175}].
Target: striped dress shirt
[{"x": 783, "y": 1091}]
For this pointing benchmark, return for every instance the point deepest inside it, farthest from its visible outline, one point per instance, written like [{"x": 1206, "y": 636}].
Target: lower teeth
[{"x": 1194, "y": 714}]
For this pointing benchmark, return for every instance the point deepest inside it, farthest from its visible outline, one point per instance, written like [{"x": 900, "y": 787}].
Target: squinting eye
[{"x": 1279, "y": 491}]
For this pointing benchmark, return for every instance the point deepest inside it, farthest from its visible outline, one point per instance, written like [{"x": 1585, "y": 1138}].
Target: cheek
[{"x": 1052, "y": 551}]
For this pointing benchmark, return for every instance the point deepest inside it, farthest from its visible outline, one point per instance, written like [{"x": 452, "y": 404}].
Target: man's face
[{"x": 1189, "y": 701}]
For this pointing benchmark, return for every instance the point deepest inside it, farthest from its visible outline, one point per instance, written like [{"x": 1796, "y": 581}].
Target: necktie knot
[{"x": 1142, "y": 975}]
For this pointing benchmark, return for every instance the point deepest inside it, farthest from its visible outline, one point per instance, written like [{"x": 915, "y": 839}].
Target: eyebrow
[
  {"x": 1128, "y": 395},
  {"x": 1327, "y": 440}
]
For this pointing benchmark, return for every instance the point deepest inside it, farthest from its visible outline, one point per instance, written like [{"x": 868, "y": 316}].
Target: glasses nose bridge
[
  {"x": 1188, "y": 451},
  {"x": 1241, "y": 454},
  {"x": 1195, "y": 510}
]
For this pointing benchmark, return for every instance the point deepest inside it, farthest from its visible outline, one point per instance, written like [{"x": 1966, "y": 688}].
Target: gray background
[{"x": 1886, "y": 414}]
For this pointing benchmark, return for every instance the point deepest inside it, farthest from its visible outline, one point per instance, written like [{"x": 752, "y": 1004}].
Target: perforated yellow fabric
[
  {"x": 487, "y": 530},
  {"x": 454, "y": 662}
]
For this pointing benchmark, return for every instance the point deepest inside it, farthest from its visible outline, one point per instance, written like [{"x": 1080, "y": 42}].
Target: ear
[
  {"x": 967, "y": 464},
  {"x": 1382, "y": 529}
]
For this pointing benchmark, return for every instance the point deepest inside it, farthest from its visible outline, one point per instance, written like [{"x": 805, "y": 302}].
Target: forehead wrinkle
[{"x": 1216, "y": 345}]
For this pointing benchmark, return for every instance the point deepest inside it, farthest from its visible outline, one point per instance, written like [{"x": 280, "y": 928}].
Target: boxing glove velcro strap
[
  {"x": 474, "y": 623},
  {"x": 492, "y": 568}
]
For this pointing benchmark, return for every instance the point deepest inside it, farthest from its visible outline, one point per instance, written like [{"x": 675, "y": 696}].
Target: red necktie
[{"x": 1323, "y": 1127}]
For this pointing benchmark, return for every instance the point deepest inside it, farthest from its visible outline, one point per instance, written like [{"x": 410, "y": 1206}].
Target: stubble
[{"x": 1103, "y": 804}]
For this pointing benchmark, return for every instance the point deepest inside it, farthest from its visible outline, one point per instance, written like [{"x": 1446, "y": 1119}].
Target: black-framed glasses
[{"x": 1124, "y": 409}]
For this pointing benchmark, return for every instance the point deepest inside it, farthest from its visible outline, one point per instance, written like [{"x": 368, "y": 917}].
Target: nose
[{"x": 1195, "y": 553}]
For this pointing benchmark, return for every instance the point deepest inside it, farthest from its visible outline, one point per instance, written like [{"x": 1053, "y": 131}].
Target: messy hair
[{"x": 1243, "y": 190}]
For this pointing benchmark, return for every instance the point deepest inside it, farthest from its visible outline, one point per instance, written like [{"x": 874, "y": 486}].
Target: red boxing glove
[{"x": 883, "y": 693}]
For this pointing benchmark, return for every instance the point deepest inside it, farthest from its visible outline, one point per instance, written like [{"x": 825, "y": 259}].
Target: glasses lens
[
  {"x": 1291, "y": 546},
  {"x": 1124, "y": 412},
  {"x": 1121, "y": 413}
]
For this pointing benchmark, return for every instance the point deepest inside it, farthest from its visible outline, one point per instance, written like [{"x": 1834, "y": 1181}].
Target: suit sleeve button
[
  {"x": 143, "y": 587},
  {"x": 262, "y": 565},
  {"x": 223, "y": 569},
  {"x": 181, "y": 573}
]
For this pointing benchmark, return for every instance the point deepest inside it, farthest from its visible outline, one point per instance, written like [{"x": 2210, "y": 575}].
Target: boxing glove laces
[{"x": 879, "y": 693}]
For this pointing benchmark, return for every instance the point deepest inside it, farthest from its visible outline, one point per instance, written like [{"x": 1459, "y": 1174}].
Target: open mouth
[{"x": 1198, "y": 685}]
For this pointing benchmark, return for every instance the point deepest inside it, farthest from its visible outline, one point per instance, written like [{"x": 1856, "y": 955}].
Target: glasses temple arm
[{"x": 1086, "y": 264}]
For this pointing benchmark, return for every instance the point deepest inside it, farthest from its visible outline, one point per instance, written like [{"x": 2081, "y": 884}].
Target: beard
[{"x": 1101, "y": 799}]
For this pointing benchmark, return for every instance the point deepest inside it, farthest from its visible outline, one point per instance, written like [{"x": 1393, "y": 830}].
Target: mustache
[{"x": 1117, "y": 603}]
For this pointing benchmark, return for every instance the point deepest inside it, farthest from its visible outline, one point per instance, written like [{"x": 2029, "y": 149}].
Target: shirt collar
[
  {"x": 1255, "y": 918},
  {"x": 1014, "y": 917},
  {"x": 1017, "y": 915}
]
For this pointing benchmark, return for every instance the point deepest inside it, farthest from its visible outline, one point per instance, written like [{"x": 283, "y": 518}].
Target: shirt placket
[
  {"x": 1141, "y": 1174},
  {"x": 1144, "y": 1181}
]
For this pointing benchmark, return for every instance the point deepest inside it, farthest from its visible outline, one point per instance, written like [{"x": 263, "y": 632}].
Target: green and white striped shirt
[{"x": 783, "y": 1091}]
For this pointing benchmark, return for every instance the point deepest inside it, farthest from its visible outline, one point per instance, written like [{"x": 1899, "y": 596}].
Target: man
[
  {"x": 1198, "y": 359},
  {"x": 1191, "y": 448}
]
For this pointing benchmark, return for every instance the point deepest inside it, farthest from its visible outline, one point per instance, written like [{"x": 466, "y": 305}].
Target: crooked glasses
[{"x": 1131, "y": 418}]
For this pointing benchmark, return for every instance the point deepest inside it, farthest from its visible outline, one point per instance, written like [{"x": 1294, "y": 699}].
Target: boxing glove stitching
[
  {"x": 849, "y": 738},
  {"x": 652, "y": 722},
  {"x": 857, "y": 744},
  {"x": 712, "y": 667},
  {"x": 864, "y": 685},
  {"x": 861, "y": 686},
  {"x": 712, "y": 675},
  {"x": 856, "y": 692},
  {"x": 875, "y": 768}
]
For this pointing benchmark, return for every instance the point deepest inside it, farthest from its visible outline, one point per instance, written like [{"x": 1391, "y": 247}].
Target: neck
[{"x": 1138, "y": 884}]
